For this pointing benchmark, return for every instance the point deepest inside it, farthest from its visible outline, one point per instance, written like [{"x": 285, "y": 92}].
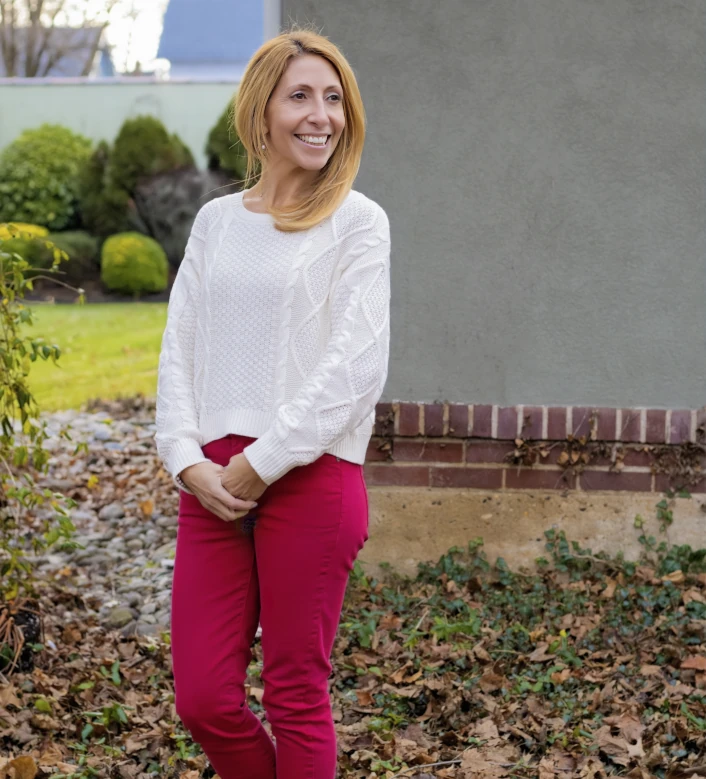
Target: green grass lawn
[{"x": 107, "y": 350}]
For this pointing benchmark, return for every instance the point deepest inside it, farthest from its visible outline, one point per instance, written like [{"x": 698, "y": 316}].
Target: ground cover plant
[{"x": 586, "y": 666}]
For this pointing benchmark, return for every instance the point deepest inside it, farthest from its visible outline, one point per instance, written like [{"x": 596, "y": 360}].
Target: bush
[
  {"x": 133, "y": 263},
  {"x": 32, "y": 518},
  {"x": 103, "y": 206},
  {"x": 82, "y": 250},
  {"x": 224, "y": 148},
  {"x": 10, "y": 230},
  {"x": 39, "y": 175},
  {"x": 25, "y": 239},
  {"x": 143, "y": 148}
]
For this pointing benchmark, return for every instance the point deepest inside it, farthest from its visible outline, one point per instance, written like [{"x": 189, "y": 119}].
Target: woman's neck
[{"x": 272, "y": 192}]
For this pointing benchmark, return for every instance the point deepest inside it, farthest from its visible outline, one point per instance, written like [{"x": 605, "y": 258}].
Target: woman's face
[{"x": 304, "y": 115}]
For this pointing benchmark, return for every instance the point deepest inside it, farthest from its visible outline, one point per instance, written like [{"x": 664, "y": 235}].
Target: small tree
[{"x": 31, "y": 519}]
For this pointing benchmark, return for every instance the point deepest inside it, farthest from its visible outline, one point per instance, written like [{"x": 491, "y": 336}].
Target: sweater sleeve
[
  {"x": 177, "y": 434},
  {"x": 349, "y": 378}
]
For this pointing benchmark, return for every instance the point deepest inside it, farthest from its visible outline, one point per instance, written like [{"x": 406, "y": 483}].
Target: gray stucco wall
[{"x": 543, "y": 166}]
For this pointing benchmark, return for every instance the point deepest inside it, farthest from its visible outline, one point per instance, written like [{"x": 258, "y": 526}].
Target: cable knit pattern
[{"x": 283, "y": 337}]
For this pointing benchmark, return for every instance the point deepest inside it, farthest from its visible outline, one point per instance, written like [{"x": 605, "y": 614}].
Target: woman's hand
[
  {"x": 241, "y": 480},
  {"x": 204, "y": 480}
]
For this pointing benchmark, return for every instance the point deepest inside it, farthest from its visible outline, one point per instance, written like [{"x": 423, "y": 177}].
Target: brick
[
  {"x": 392, "y": 475},
  {"x": 701, "y": 424},
  {"x": 611, "y": 480},
  {"x": 374, "y": 454},
  {"x": 638, "y": 455},
  {"x": 630, "y": 427},
  {"x": 409, "y": 450},
  {"x": 382, "y": 425},
  {"x": 680, "y": 426},
  {"x": 481, "y": 451},
  {"x": 654, "y": 429},
  {"x": 581, "y": 422},
  {"x": 479, "y": 478},
  {"x": 555, "y": 450},
  {"x": 434, "y": 419},
  {"x": 535, "y": 479},
  {"x": 458, "y": 420},
  {"x": 556, "y": 423},
  {"x": 606, "y": 423},
  {"x": 664, "y": 481},
  {"x": 482, "y": 421},
  {"x": 507, "y": 422},
  {"x": 531, "y": 423},
  {"x": 593, "y": 450},
  {"x": 409, "y": 419}
]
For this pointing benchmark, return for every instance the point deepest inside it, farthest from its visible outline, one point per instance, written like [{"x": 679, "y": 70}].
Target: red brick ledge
[{"x": 475, "y": 446}]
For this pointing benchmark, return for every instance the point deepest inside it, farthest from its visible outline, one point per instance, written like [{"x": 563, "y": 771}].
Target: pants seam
[{"x": 319, "y": 593}]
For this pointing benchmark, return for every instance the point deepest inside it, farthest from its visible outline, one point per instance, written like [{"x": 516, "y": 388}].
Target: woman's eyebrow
[{"x": 307, "y": 86}]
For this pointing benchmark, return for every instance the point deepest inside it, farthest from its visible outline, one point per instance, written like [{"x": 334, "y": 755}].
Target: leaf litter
[{"x": 586, "y": 667}]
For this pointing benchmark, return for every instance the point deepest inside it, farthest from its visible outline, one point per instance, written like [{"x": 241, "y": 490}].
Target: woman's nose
[{"x": 318, "y": 113}]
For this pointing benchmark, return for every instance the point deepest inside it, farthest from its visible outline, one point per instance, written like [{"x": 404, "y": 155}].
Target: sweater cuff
[
  {"x": 184, "y": 453},
  {"x": 269, "y": 458}
]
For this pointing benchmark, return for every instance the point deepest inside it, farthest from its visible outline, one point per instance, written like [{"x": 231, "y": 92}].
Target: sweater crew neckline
[{"x": 250, "y": 216}]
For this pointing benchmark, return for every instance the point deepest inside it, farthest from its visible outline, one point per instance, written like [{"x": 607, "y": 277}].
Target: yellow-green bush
[
  {"x": 133, "y": 263},
  {"x": 11, "y": 230}
]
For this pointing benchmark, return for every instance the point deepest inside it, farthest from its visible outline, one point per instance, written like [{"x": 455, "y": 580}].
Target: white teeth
[{"x": 313, "y": 139}]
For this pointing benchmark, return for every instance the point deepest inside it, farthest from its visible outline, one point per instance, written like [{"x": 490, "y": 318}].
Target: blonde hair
[{"x": 259, "y": 80}]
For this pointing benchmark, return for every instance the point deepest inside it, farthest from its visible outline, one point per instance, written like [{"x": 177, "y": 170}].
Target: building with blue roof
[{"x": 211, "y": 39}]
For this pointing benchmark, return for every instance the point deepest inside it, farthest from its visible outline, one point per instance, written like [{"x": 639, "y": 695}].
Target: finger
[{"x": 234, "y": 503}]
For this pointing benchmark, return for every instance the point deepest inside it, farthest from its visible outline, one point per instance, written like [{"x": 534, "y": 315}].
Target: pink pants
[{"x": 290, "y": 574}]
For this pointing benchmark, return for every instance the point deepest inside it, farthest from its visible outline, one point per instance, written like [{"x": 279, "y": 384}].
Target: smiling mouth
[{"x": 313, "y": 145}]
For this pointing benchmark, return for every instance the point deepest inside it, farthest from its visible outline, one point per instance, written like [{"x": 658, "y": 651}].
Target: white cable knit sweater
[{"x": 283, "y": 337}]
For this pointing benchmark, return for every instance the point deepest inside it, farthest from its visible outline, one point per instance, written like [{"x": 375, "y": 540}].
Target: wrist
[{"x": 184, "y": 475}]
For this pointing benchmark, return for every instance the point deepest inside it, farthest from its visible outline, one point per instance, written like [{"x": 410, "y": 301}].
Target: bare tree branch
[{"x": 37, "y": 35}]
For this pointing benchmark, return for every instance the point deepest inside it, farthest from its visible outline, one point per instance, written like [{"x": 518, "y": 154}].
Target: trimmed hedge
[
  {"x": 133, "y": 263},
  {"x": 143, "y": 148}
]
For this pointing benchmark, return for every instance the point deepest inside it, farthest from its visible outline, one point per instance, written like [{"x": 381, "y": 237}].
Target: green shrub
[
  {"x": 133, "y": 263},
  {"x": 39, "y": 175},
  {"x": 29, "y": 241},
  {"x": 103, "y": 206},
  {"x": 143, "y": 148},
  {"x": 82, "y": 250},
  {"x": 224, "y": 148}
]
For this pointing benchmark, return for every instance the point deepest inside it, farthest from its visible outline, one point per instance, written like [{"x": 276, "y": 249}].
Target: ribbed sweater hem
[{"x": 254, "y": 423}]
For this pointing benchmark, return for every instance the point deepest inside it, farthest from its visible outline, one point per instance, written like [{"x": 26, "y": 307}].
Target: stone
[
  {"x": 132, "y": 598},
  {"x": 112, "y": 511},
  {"x": 119, "y": 617}
]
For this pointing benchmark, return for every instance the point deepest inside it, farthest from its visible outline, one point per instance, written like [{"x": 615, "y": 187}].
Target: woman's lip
[{"x": 311, "y": 145}]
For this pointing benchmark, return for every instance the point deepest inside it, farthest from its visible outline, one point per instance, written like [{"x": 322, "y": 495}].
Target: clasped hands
[{"x": 229, "y": 492}]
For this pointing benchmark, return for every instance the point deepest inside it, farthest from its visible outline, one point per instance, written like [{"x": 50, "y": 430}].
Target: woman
[{"x": 274, "y": 355}]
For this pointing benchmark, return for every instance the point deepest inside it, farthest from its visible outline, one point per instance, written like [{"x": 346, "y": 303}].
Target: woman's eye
[{"x": 301, "y": 94}]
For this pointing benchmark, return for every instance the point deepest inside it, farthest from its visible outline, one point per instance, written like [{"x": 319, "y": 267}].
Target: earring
[{"x": 263, "y": 145}]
